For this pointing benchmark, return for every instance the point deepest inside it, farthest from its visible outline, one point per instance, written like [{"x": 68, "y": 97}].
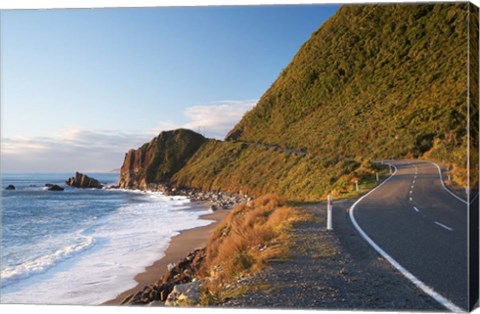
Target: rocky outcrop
[
  {"x": 187, "y": 294},
  {"x": 81, "y": 180},
  {"x": 10, "y": 187},
  {"x": 178, "y": 274},
  {"x": 158, "y": 160},
  {"x": 53, "y": 187}
]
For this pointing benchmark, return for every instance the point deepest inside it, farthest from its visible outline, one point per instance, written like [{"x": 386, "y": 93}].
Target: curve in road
[{"x": 422, "y": 227}]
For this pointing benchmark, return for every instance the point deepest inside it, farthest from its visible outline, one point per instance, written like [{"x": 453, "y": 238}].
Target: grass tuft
[{"x": 251, "y": 235}]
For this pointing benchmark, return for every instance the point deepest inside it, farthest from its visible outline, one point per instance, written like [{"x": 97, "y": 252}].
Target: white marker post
[
  {"x": 376, "y": 175},
  {"x": 329, "y": 212},
  {"x": 356, "y": 186}
]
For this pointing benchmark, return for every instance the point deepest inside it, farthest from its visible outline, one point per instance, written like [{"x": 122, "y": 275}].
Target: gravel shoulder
[{"x": 330, "y": 270}]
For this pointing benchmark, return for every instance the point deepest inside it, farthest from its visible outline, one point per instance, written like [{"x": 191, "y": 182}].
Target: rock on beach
[{"x": 180, "y": 273}]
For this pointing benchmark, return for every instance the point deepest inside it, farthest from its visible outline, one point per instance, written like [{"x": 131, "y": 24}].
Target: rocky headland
[
  {"x": 156, "y": 161},
  {"x": 152, "y": 166}
]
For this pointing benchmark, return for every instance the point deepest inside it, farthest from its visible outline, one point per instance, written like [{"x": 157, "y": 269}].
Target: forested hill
[{"x": 375, "y": 81}]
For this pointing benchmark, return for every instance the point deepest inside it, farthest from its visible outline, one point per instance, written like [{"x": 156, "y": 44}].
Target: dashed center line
[
  {"x": 411, "y": 199},
  {"x": 416, "y": 209},
  {"x": 443, "y": 226}
]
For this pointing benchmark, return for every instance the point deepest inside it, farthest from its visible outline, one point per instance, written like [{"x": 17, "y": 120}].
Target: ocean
[{"x": 82, "y": 246}]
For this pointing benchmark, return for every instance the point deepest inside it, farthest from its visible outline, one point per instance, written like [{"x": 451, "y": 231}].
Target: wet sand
[{"x": 179, "y": 247}]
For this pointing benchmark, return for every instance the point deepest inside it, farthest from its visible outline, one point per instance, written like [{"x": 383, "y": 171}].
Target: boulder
[
  {"x": 186, "y": 294},
  {"x": 10, "y": 187},
  {"x": 156, "y": 303},
  {"x": 177, "y": 274},
  {"x": 54, "y": 187},
  {"x": 83, "y": 181}
]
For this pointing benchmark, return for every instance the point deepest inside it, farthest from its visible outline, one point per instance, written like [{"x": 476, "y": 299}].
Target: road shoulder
[{"x": 331, "y": 270}]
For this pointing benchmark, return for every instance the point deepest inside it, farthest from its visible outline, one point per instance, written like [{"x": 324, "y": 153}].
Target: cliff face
[
  {"x": 158, "y": 160},
  {"x": 132, "y": 172}
]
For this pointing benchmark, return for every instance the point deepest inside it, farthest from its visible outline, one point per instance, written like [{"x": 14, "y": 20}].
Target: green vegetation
[
  {"x": 170, "y": 152},
  {"x": 374, "y": 82},
  {"x": 473, "y": 95},
  {"x": 255, "y": 170},
  {"x": 252, "y": 234}
]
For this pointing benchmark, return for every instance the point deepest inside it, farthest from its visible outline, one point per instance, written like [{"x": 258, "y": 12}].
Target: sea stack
[{"x": 83, "y": 181}]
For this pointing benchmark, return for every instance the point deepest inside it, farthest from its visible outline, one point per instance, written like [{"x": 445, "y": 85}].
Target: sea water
[{"x": 82, "y": 246}]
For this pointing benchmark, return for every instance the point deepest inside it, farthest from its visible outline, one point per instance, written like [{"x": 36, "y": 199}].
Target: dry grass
[{"x": 251, "y": 235}]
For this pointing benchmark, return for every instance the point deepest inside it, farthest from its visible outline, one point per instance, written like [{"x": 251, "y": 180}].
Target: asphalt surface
[{"x": 424, "y": 228}]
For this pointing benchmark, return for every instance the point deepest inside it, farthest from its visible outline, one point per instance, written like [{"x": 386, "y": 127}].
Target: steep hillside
[
  {"x": 375, "y": 81},
  {"x": 239, "y": 168},
  {"x": 257, "y": 170}
]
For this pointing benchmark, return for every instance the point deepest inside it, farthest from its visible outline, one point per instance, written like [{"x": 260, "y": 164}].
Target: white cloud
[
  {"x": 102, "y": 150},
  {"x": 217, "y": 119},
  {"x": 70, "y": 150}
]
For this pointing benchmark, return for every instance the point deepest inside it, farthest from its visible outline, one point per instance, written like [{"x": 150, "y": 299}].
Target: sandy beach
[{"x": 179, "y": 247}]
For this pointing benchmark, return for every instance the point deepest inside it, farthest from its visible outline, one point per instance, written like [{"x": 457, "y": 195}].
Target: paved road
[{"x": 421, "y": 226}]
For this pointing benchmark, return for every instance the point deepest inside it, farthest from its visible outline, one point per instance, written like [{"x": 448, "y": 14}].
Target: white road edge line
[
  {"x": 417, "y": 282},
  {"x": 443, "y": 226},
  {"x": 473, "y": 198},
  {"x": 445, "y": 188},
  {"x": 416, "y": 209}
]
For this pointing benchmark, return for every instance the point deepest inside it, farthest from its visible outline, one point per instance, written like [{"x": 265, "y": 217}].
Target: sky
[{"x": 80, "y": 87}]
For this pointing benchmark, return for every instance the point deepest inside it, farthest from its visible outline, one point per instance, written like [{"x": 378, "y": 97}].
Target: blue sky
[{"x": 81, "y": 87}]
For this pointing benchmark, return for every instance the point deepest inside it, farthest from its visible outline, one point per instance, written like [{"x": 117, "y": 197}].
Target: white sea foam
[
  {"x": 114, "y": 249},
  {"x": 42, "y": 263}
]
